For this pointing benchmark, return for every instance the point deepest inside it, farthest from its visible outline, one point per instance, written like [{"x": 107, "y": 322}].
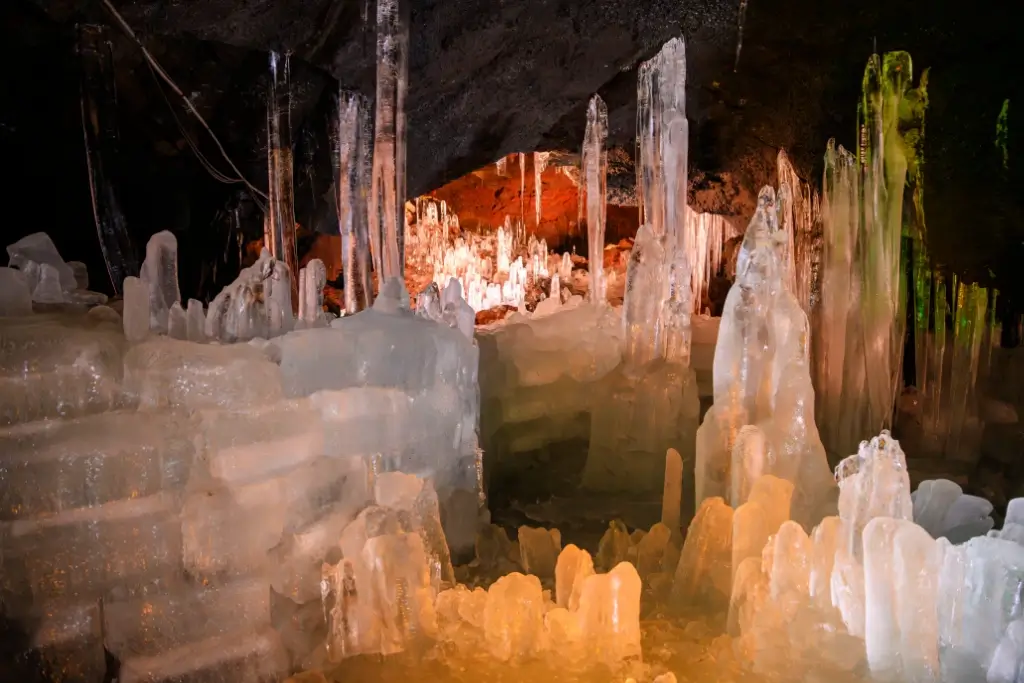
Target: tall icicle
[
  {"x": 352, "y": 173},
  {"x": 387, "y": 193},
  {"x": 280, "y": 195},
  {"x": 99, "y": 126},
  {"x": 522, "y": 188},
  {"x": 540, "y": 164},
  {"x": 594, "y": 182}
]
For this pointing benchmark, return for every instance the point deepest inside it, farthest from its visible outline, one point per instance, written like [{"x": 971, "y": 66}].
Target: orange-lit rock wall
[{"x": 483, "y": 198}]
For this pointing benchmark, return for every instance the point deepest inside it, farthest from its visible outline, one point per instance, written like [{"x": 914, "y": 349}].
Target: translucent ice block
[
  {"x": 55, "y": 466},
  {"x": 82, "y": 552},
  {"x": 249, "y": 444},
  {"x": 229, "y": 531},
  {"x": 59, "y": 366},
  {"x": 151, "y": 624},
  {"x": 167, "y": 373},
  {"x": 244, "y": 656},
  {"x": 15, "y": 297}
]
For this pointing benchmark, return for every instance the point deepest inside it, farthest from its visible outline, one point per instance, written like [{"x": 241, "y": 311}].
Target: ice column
[
  {"x": 99, "y": 125},
  {"x": 595, "y": 184},
  {"x": 352, "y": 173},
  {"x": 387, "y": 192},
  {"x": 540, "y": 163},
  {"x": 522, "y": 188},
  {"x": 280, "y": 195}
]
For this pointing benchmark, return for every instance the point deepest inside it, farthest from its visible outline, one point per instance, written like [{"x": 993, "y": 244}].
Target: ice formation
[
  {"x": 862, "y": 264},
  {"x": 762, "y": 379},
  {"x": 387, "y": 190},
  {"x": 280, "y": 217},
  {"x": 234, "y": 470},
  {"x": 593, "y": 193},
  {"x": 160, "y": 273},
  {"x": 48, "y": 278},
  {"x": 493, "y": 269},
  {"x": 353, "y": 169}
]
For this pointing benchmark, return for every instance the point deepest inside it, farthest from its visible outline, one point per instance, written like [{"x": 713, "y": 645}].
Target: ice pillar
[
  {"x": 594, "y": 182},
  {"x": 387, "y": 192},
  {"x": 353, "y": 169},
  {"x": 99, "y": 126},
  {"x": 280, "y": 195},
  {"x": 540, "y": 163}
]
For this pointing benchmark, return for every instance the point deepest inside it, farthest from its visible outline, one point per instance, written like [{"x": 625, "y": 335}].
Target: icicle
[
  {"x": 522, "y": 188},
  {"x": 739, "y": 34},
  {"x": 280, "y": 195},
  {"x": 387, "y": 193},
  {"x": 352, "y": 174},
  {"x": 594, "y": 182},
  {"x": 540, "y": 163},
  {"x": 99, "y": 126}
]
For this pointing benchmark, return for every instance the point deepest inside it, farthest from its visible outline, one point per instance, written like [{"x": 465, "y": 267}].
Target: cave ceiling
[{"x": 492, "y": 77}]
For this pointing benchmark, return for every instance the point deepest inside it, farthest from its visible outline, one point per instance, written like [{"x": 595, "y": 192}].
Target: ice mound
[
  {"x": 257, "y": 304},
  {"x": 942, "y": 508},
  {"x": 379, "y": 598},
  {"x": 48, "y": 278}
]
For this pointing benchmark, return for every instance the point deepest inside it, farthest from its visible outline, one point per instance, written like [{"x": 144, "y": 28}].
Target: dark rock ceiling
[{"x": 490, "y": 77}]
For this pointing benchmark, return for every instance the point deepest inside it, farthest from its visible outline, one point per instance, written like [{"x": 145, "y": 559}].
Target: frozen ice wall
[{"x": 195, "y": 489}]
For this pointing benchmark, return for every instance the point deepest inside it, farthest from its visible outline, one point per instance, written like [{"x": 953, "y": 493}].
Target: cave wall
[{"x": 491, "y": 78}]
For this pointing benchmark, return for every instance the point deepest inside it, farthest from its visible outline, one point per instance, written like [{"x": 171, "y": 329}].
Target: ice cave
[{"x": 415, "y": 341}]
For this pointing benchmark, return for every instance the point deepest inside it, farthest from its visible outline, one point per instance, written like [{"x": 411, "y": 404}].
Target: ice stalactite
[
  {"x": 864, "y": 310},
  {"x": 540, "y": 164},
  {"x": 99, "y": 126},
  {"x": 739, "y": 33},
  {"x": 522, "y": 188},
  {"x": 594, "y": 183},
  {"x": 387, "y": 192},
  {"x": 353, "y": 168},
  {"x": 281, "y": 196}
]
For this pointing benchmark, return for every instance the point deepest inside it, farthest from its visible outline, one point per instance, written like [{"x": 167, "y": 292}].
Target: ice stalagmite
[
  {"x": 387, "y": 192},
  {"x": 160, "y": 273},
  {"x": 353, "y": 169},
  {"x": 595, "y": 183},
  {"x": 99, "y": 125},
  {"x": 762, "y": 378},
  {"x": 281, "y": 195}
]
